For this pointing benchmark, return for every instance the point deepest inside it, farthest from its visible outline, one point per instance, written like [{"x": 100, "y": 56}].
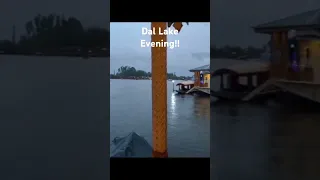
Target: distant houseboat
[{"x": 184, "y": 87}]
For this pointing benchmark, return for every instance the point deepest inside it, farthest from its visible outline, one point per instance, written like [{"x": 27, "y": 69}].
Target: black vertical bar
[{"x": 145, "y": 11}]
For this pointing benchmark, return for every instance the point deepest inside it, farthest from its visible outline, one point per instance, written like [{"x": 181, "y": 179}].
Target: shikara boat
[{"x": 184, "y": 87}]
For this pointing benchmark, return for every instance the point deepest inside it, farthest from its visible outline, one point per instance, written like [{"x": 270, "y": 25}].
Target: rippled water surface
[
  {"x": 188, "y": 117},
  {"x": 53, "y": 118},
  {"x": 269, "y": 140}
]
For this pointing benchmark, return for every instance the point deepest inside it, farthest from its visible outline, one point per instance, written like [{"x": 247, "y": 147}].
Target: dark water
[
  {"x": 265, "y": 141},
  {"x": 188, "y": 117},
  {"x": 53, "y": 118}
]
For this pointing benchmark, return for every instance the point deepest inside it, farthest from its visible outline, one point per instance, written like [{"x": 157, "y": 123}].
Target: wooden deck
[
  {"x": 204, "y": 90},
  {"x": 181, "y": 91},
  {"x": 303, "y": 89},
  {"x": 309, "y": 91},
  {"x": 228, "y": 95},
  {"x": 258, "y": 90}
]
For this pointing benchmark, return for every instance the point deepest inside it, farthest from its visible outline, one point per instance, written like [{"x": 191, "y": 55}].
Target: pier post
[
  {"x": 277, "y": 68},
  {"x": 221, "y": 82},
  {"x": 285, "y": 51},
  {"x": 250, "y": 81},
  {"x": 159, "y": 93}
]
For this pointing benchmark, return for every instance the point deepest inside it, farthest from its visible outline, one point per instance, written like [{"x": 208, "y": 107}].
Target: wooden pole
[{"x": 159, "y": 93}]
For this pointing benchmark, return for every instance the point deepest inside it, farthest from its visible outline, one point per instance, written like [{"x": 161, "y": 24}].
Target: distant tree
[
  {"x": 128, "y": 71},
  {"x": 235, "y": 52},
  {"x": 55, "y": 31}
]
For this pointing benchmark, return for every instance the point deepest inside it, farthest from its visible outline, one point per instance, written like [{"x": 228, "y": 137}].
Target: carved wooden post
[
  {"x": 159, "y": 89},
  {"x": 159, "y": 93}
]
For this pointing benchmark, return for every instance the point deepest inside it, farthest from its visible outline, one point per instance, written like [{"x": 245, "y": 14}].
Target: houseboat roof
[
  {"x": 185, "y": 83},
  {"x": 248, "y": 67},
  {"x": 305, "y": 19},
  {"x": 201, "y": 68}
]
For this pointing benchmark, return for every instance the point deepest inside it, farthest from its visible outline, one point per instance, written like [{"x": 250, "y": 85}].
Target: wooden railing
[{"x": 287, "y": 72}]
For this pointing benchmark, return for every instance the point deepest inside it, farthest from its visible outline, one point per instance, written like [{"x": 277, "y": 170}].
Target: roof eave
[
  {"x": 271, "y": 29},
  {"x": 192, "y": 70}
]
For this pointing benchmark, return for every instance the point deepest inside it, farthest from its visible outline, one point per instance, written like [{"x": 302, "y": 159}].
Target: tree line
[
  {"x": 237, "y": 52},
  {"x": 128, "y": 72},
  {"x": 57, "y": 34}
]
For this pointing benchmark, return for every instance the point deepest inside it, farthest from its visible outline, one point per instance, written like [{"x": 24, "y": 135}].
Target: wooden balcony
[{"x": 285, "y": 71}]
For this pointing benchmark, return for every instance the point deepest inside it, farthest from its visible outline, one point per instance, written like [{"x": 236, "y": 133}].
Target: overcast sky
[
  {"x": 231, "y": 20},
  {"x": 231, "y": 23},
  {"x": 126, "y": 50}
]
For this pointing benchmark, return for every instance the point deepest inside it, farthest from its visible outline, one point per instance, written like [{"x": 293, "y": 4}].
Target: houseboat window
[
  {"x": 294, "y": 61},
  {"x": 243, "y": 80},
  {"x": 293, "y": 56},
  {"x": 225, "y": 80},
  {"x": 255, "y": 80},
  {"x": 201, "y": 78}
]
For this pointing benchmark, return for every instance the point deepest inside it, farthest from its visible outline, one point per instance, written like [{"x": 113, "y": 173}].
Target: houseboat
[
  {"x": 201, "y": 80},
  {"x": 295, "y": 48},
  {"x": 294, "y": 65},
  {"x": 240, "y": 79},
  {"x": 184, "y": 87}
]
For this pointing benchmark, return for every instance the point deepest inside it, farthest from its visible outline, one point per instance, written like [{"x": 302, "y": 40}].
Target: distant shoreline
[{"x": 143, "y": 79}]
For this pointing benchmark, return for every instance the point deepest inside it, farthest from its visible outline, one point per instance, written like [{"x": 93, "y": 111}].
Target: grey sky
[
  {"x": 231, "y": 20},
  {"x": 125, "y": 48}
]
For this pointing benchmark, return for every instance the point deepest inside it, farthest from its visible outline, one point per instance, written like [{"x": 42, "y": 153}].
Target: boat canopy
[
  {"x": 185, "y": 83},
  {"x": 131, "y": 145}
]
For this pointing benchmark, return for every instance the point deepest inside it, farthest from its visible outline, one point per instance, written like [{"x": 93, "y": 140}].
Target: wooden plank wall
[
  {"x": 197, "y": 78},
  {"x": 280, "y": 54}
]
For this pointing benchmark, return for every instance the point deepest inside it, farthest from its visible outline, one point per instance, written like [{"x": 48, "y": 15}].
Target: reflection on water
[
  {"x": 267, "y": 141},
  {"x": 173, "y": 104},
  {"x": 52, "y": 118},
  {"x": 199, "y": 111},
  {"x": 264, "y": 142},
  {"x": 188, "y": 117}
]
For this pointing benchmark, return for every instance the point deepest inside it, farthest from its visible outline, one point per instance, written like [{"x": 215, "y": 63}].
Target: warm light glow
[
  {"x": 207, "y": 79},
  {"x": 173, "y": 104},
  {"x": 207, "y": 76}
]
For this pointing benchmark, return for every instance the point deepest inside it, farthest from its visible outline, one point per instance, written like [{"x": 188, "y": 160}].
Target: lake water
[
  {"x": 53, "y": 118},
  {"x": 53, "y": 125},
  {"x": 188, "y": 117},
  {"x": 264, "y": 141}
]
